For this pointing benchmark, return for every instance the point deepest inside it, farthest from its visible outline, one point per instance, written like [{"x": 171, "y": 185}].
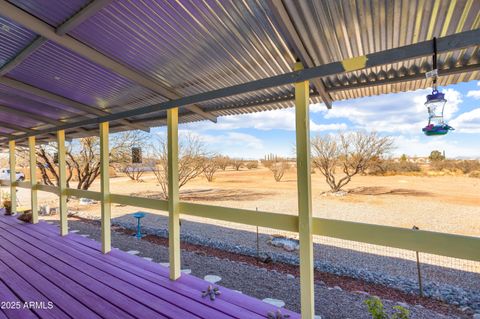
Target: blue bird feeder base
[{"x": 139, "y": 216}]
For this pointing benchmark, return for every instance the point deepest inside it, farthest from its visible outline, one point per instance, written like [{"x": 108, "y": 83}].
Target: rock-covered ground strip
[
  {"x": 454, "y": 286},
  {"x": 278, "y": 283}
]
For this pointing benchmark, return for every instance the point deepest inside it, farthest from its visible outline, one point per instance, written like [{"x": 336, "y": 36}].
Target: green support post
[
  {"x": 305, "y": 221},
  {"x": 173, "y": 195},
  {"x": 33, "y": 179},
  {"x": 62, "y": 182},
  {"x": 105, "y": 188}
]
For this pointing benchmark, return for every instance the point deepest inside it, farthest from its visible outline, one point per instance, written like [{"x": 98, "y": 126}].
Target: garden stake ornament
[
  {"x": 277, "y": 315},
  {"x": 211, "y": 292}
]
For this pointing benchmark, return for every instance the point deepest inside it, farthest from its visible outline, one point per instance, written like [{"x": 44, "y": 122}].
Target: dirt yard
[{"x": 448, "y": 204}]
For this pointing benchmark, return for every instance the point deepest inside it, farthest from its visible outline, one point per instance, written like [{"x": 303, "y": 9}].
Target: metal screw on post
[{"x": 420, "y": 286}]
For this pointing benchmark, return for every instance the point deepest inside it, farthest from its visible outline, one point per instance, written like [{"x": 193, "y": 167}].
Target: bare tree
[
  {"x": 192, "y": 154},
  {"x": 223, "y": 162},
  {"x": 134, "y": 171},
  {"x": 237, "y": 164},
  {"x": 352, "y": 152},
  {"x": 83, "y": 158},
  {"x": 278, "y": 167},
  {"x": 211, "y": 166},
  {"x": 252, "y": 164}
]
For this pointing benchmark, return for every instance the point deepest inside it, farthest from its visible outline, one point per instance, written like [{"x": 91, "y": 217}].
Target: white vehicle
[{"x": 5, "y": 174}]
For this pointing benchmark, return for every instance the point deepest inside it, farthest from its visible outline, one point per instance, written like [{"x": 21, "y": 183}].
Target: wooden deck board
[
  {"x": 66, "y": 278},
  {"x": 244, "y": 301},
  {"x": 27, "y": 292},
  {"x": 231, "y": 309},
  {"x": 116, "y": 285},
  {"x": 9, "y": 309},
  {"x": 145, "y": 282},
  {"x": 144, "y": 300}
]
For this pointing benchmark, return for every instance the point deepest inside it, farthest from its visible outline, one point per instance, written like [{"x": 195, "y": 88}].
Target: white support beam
[
  {"x": 285, "y": 23},
  {"x": 173, "y": 195},
  {"x": 33, "y": 179},
  {"x": 30, "y": 115},
  {"x": 90, "y": 10},
  {"x": 90, "y": 110},
  {"x": 25, "y": 53},
  {"x": 105, "y": 188},
  {"x": 36, "y": 25},
  {"x": 304, "y": 187},
  {"x": 62, "y": 182},
  {"x": 13, "y": 177},
  {"x": 16, "y": 127}
]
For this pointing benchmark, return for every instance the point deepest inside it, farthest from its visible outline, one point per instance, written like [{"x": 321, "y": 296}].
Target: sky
[{"x": 400, "y": 115}]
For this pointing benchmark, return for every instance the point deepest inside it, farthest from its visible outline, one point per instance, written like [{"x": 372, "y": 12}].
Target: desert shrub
[
  {"x": 278, "y": 168},
  {"x": 237, "y": 164},
  {"x": 464, "y": 167},
  {"x": 353, "y": 152},
  {"x": 436, "y": 156},
  {"x": 210, "y": 166},
  {"x": 388, "y": 167},
  {"x": 223, "y": 162},
  {"x": 252, "y": 164},
  {"x": 134, "y": 171},
  {"x": 192, "y": 154},
  {"x": 474, "y": 174},
  {"x": 376, "y": 309}
]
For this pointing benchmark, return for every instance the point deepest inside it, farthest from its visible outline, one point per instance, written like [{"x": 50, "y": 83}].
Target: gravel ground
[
  {"x": 331, "y": 302},
  {"x": 401, "y": 263}
]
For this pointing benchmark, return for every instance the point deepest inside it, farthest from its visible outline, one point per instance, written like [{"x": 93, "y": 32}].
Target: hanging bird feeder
[
  {"x": 435, "y": 103},
  {"x": 136, "y": 155}
]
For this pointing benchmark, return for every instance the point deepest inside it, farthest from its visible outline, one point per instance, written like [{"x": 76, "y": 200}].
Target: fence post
[
  {"x": 13, "y": 177},
  {"x": 305, "y": 227},
  {"x": 173, "y": 195},
  {"x": 420, "y": 285},
  {"x": 33, "y": 179},
  {"x": 105, "y": 188},
  {"x": 62, "y": 182}
]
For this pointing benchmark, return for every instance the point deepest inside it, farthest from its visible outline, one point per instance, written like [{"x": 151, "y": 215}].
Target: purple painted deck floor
[{"x": 68, "y": 277}]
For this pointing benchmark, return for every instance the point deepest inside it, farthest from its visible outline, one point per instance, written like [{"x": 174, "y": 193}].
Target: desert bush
[
  {"x": 436, "y": 156},
  {"x": 376, "y": 309},
  {"x": 464, "y": 167},
  {"x": 191, "y": 158},
  {"x": 237, "y": 164},
  {"x": 83, "y": 157},
  {"x": 210, "y": 166},
  {"x": 389, "y": 167},
  {"x": 252, "y": 164},
  {"x": 223, "y": 162},
  {"x": 278, "y": 168},
  {"x": 133, "y": 171},
  {"x": 353, "y": 152},
  {"x": 474, "y": 174}
]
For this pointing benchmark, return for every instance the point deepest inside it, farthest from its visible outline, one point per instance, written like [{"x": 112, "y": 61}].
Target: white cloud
[
  {"x": 421, "y": 147},
  {"x": 403, "y": 113},
  {"x": 468, "y": 122},
  {"x": 283, "y": 119},
  {"x": 474, "y": 93},
  {"x": 233, "y": 144}
]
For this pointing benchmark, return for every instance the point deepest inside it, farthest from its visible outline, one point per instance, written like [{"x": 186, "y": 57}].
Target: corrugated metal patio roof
[{"x": 120, "y": 55}]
